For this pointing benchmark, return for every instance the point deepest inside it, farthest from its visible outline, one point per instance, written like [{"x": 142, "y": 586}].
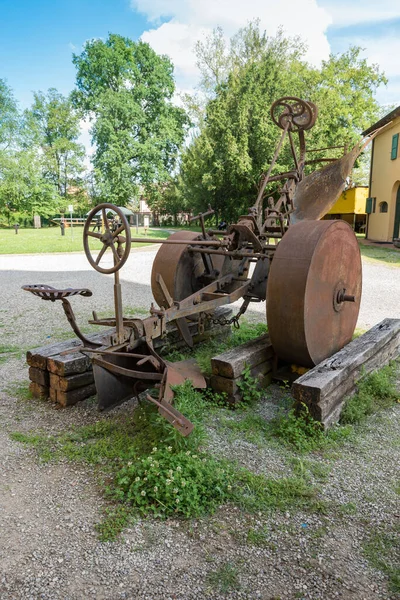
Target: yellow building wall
[
  {"x": 385, "y": 180},
  {"x": 352, "y": 201}
]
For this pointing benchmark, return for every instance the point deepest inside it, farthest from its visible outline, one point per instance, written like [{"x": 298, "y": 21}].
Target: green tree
[
  {"x": 9, "y": 117},
  {"x": 23, "y": 190},
  {"x": 52, "y": 124},
  {"x": 125, "y": 88},
  {"x": 237, "y": 137}
]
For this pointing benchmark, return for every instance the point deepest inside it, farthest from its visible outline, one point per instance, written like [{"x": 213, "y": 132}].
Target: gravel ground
[{"x": 48, "y": 544}]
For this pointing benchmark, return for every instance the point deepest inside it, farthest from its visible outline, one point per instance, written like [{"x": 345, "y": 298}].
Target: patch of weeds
[
  {"x": 7, "y": 352},
  {"x": 225, "y": 578},
  {"x": 348, "y": 509},
  {"x": 38, "y": 441},
  {"x": 114, "y": 521},
  {"x": 298, "y": 429},
  {"x": 136, "y": 310},
  {"x": 259, "y": 493},
  {"x": 251, "y": 427},
  {"x": 375, "y": 392},
  {"x": 304, "y": 468},
  {"x": 259, "y": 538},
  {"x": 383, "y": 552},
  {"x": 165, "y": 483},
  {"x": 19, "y": 390},
  {"x": 249, "y": 387},
  {"x": 203, "y": 353}
]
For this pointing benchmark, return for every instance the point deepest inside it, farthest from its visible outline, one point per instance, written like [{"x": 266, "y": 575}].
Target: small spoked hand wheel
[
  {"x": 299, "y": 114},
  {"x": 119, "y": 240}
]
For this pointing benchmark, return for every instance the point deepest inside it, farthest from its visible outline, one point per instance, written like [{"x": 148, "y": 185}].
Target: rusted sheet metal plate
[
  {"x": 317, "y": 193},
  {"x": 314, "y": 263}
]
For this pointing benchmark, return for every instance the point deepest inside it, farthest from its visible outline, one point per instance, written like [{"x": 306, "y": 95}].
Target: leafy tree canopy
[
  {"x": 237, "y": 136},
  {"x": 125, "y": 88},
  {"x": 52, "y": 124}
]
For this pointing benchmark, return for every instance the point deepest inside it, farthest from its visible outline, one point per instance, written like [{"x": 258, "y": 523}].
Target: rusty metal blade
[
  {"x": 111, "y": 389},
  {"x": 317, "y": 193}
]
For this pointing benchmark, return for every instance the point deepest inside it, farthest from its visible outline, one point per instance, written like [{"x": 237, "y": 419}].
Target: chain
[{"x": 233, "y": 320}]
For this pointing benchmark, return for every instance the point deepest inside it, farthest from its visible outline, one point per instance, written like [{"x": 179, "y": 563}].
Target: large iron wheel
[
  {"x": 119, "y": 241},
  {"x": 314, "y": 291}
]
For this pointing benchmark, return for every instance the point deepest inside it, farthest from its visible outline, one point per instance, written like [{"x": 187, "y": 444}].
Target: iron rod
[{"x": 218, "y": 243}]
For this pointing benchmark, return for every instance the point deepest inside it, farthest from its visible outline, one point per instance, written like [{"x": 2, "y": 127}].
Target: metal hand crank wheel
[{"x": 119, "y": 244}]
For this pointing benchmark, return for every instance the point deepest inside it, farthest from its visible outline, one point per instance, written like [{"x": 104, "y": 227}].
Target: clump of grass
[
  {"x": 115, "y": 520},
  {"x": 225, "y": 578},
  {"x": 383, "y": 552},
  {"x": 7, "y": 352},
  {"x": 375, "y": 392},
  {"x": 204, "y": 352}
]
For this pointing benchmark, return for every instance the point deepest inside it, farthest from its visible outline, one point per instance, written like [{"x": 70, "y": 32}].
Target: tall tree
[
  {"x": 53, "y": 125},
  {"x": 9, "y": 117},
  {"x": 237, "y": 137},
  {"x": 125, "y": 88}
]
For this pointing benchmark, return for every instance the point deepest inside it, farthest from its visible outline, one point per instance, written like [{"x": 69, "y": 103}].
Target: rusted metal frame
[
  {"x": 320, "y": 160},
  {"x": 211, "y": 243},
  {"x": 126, "y": 372},
  {"x": 258, "y": 203},
  {"x": 181, "y": 324},
  {"x": 183, "y": 311},
  {"x": 293, "y": 149},
  {"x": 166, "y": 409},
  {"x": 236, "y": 254},
  {"x": 69, "y": 313}
]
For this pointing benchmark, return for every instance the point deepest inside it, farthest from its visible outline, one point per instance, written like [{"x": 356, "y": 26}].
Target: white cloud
[
  {"x": 355, "y": 12},
  {"x": 189, "y": 20}
]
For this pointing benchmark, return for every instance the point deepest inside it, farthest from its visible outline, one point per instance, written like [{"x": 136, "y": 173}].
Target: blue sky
[{"x": 37, "y": 39}]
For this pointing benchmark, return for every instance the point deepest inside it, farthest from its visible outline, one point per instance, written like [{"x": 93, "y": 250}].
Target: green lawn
[
  {"x": 49, "y": 239},
  {"x": 381, "y": 254}
]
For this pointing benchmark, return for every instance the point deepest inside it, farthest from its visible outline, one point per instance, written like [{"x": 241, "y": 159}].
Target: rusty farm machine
[{"x": 307, "y": 270}]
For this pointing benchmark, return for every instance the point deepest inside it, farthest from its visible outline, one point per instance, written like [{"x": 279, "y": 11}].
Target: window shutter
[
  {"x": 395, "y": 143},
  {"x": 368, "y": 206}
]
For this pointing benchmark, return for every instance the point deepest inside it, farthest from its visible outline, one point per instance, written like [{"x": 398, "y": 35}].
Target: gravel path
[{"x": 48, "y": 545}]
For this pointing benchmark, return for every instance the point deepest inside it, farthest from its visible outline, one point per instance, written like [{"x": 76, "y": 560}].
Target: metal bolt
[{"x": 343, "y": 297}]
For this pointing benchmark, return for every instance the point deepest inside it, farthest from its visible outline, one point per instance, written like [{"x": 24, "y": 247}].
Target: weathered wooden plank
[
  {"x": 38, "y": 391},
  {"x": 72, "y": 382},
  {"x": 231, "y": 387},
  {"x": 74, "y": 396},
  {"x": 231, "y": 363},
  {"x": 69, "y": 364},
  {"x": 325, "y": 387},
  {"x": 53, "y": 394},
  {"x": 37, "y": 357},
  {"x": 39, "y": 376}
]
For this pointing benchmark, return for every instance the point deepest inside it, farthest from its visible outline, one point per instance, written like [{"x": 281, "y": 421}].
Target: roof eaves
[{"x": 384, "y": 121}]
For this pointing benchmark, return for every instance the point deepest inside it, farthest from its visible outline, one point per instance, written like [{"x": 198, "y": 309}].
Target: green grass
[
  {"x": 375, "y": 392},
  {"x": 204, "y": 352},
  {"x": 380, "y": 254},
  {"x": 7, "y": 352},
  {"x": 49, "y": 239},
  {"x": 382, "y": 550},
  {"x": 225, "y": 578}
]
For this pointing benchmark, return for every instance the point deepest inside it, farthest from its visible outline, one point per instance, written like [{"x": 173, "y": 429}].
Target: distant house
[
  {"x": 350, "y": 207},
  {"x": 383, "y": 202}
]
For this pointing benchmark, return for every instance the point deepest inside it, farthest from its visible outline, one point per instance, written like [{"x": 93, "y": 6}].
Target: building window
[
  {"x": 395, "y": 144},
  {"x": 383, "y": 207}
]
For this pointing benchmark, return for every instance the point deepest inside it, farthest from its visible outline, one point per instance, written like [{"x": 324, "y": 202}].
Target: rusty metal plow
[{"x": 307, "y": 270}]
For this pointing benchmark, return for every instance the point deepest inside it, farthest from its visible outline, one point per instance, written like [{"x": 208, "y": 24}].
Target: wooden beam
[{"x": 325, "y": 388}]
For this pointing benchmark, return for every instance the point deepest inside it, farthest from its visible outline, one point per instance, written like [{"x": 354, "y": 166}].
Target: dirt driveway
[{"x": 49, "y": 548}]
